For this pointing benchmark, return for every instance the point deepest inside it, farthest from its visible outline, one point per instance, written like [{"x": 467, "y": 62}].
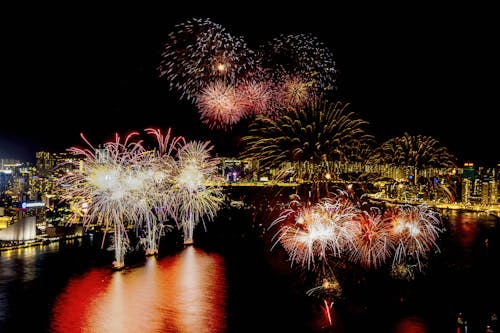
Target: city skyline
[{"x": 427, "y": 72}]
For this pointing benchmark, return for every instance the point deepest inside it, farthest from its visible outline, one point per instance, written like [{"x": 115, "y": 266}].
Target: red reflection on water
[
  {"x": 182, "y": 293},
  {"x": 466, "y": 230},
  {"x": 411, "y": 325}
]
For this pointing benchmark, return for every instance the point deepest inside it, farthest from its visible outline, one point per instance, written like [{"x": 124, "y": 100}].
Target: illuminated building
[{"x": 466, "y": 190}]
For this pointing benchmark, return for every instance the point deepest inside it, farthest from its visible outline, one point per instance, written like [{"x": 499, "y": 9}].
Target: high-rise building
[
  {"x": 493, "y": 189},
  {"x": 489, "y": 193},
  {"x": 466, "y": 190},
  {"x": 468, "y": 171}
]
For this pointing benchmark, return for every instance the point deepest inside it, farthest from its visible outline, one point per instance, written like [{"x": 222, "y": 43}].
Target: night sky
[{"x": 429, "y": 70}]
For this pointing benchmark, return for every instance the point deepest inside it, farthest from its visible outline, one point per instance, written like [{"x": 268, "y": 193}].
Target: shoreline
[{"x": 35, "y": 242}]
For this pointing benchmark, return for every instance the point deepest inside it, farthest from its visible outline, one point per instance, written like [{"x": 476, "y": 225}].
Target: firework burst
[
  {"x": 320, "y": 132},
  {"x": 220, "y": 105},
  {"x": 373, "y": 239},
  {"x": 258, "y": 97},
  {"x": 342, "y": 229},
  {"x": 416, "y": 230},
  {"x": 418, "y": 151},
  {"x": 311, "y": 234},
  {"x": 197, "y": 192},
  {"x": 200, "y": 51},
  {"x": 104, "y": 182},
  {"x": 302, "y": 59},
  {"x": 306, "y": 240},
  {"x": 294, "y": 91}
]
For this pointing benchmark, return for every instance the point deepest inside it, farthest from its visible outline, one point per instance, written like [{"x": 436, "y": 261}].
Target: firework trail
[
  {"x": 197, "y": 192},
  {"x": 104, "y": 184},
  {"x": 154, "y": 204}
]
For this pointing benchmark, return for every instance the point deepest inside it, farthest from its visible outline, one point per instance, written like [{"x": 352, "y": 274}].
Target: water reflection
[
  {"x": 26, "y": 259},
  {"x": 19, "y": 266},
  {"x": 411, "y": 324},
  {"x": 70, "y": 288},
  {"x": 465, "y": 229},
  {"x": 181, "y": 293},
  {"x": 460, "y": 278}
]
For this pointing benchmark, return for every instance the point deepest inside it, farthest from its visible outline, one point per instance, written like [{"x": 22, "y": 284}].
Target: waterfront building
[
  {"x": 489, "y": 193},
  {"x": 22, "y": 230}
]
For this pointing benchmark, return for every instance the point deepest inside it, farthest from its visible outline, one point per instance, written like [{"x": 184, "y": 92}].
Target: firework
[
  {"x": 342, "y": 228},
  {"x": 417, "y": 151},
  {"x": 220, "y": 105},
  {"x": 321, "y": 132},
  {"x": 200, "y": 51},
  {"x": 258, "y": 97},
  {"x": 196, "y": 191},
  {"x": 154, "y": 206},
  {"x": 299, "y": 63},
  {"x": 373, "y": 239},
  {"x": 307, "y": 239},
  {"x": 167, "y": 144},
  {"x": 104, "y": 182},
  {"x": 123, "y": 185},
  {"x": 416, "y": 230},
  {"x": 294, "y": 91},
  {"x": 314, "y": 233}
]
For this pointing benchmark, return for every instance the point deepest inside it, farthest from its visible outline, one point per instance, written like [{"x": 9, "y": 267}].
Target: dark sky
[{"x": 429, "y": 70}]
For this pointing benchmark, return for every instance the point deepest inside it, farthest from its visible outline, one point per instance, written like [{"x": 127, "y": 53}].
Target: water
[
  {"x": 182, "y": 293},
  {"x": 462, "y": 278},
  {"x": 230, "y": 281}
]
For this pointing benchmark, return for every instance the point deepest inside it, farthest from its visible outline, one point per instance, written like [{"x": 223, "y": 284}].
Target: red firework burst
[{"x": 220, "y": 105}]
